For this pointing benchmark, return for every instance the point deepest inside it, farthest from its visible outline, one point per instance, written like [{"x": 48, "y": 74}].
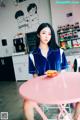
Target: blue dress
[{"x": 55, "y": 60}]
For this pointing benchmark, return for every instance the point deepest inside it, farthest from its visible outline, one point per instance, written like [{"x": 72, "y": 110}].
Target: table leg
[
  {"x": 39, "y": 110},
  {"x": 63, "y": 112}
]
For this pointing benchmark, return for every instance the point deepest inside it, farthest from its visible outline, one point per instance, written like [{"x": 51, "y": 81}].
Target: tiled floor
[{"x": 11, "y": 102}]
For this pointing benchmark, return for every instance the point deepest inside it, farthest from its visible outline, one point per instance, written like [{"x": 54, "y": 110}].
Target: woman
[{"x": 47, "y": 56}]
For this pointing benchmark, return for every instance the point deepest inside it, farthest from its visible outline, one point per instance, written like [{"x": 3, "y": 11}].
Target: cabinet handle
[{"x": 2, "y": 61}]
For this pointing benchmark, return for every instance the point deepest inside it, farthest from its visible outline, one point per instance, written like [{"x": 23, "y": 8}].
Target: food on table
[{"x": 51, "y": 73}]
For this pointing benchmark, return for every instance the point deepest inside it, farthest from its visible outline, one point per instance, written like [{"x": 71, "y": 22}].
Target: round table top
[{"x": 62, "y": 89}]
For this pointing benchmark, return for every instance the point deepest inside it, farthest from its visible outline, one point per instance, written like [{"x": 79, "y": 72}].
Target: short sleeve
[
  {"x": 32, "y": 69},
  {"x": 64, "y": 63}
]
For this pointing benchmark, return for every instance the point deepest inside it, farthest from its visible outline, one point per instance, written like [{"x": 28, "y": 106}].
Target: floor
[{"x": 11, "y": 102}]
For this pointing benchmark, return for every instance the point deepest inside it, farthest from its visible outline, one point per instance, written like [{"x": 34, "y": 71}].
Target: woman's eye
[{"x": 43, "y": 33}]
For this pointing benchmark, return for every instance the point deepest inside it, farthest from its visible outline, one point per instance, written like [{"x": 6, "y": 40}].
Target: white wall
[
  {"x": 9, "y": 26},
  {"x": 59, "y": 12}
]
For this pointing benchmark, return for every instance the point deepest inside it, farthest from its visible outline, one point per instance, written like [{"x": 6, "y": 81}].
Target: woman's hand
[{"x": 35, "y": 75}]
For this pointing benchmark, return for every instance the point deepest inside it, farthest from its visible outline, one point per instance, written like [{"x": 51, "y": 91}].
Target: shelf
[
  {"x": 69, "y": 39},
  {"x": 75, "y": 38},
  {"x": 71, "y": 30},
  {"x": 72, "y": 51}
]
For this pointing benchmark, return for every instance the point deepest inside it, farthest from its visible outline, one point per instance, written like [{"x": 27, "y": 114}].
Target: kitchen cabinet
[
  {"x": 20, "y": 63},
  {"x": 6, "y": 69}
]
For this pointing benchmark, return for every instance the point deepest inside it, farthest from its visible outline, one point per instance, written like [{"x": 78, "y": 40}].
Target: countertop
[{"x": 72, "y": 52}]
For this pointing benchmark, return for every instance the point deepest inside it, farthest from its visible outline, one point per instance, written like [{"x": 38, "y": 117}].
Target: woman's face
[{"x": 45, "y": 35}]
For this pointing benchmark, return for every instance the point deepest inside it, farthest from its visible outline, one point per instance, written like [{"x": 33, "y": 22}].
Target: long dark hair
[
  {"x": 32, "y": 5},
  {"x": 52, "y": 42}
]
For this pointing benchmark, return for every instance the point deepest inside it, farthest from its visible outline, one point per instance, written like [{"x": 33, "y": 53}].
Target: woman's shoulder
[
  {"x": 34, "y": 52},
  {"x": 56, "y": 50}
]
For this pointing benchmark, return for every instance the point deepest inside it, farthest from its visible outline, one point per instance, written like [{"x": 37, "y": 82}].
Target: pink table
[{"x": 60, "y": 90}]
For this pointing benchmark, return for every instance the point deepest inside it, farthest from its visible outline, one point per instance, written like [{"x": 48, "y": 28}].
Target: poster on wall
[
  {"x": 28, "y": 19},
  {"x": 19, "y": 16},
  {"x": 32, "y": 16}
]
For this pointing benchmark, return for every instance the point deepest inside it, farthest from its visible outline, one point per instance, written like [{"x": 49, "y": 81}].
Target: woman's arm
[{"x": 64, "y": 63}]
